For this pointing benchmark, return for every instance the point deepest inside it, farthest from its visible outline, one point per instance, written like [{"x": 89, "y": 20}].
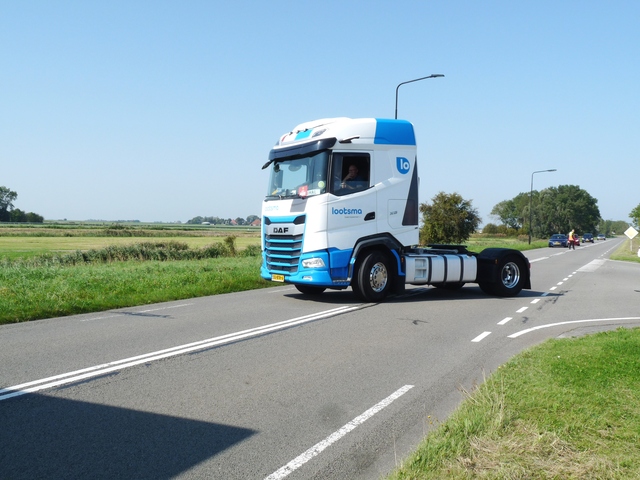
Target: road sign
[{"x": 631, "y": 233}]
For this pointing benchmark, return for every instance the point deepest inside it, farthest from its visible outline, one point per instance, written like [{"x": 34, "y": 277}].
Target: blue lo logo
[{"x": 403, "y": 165}]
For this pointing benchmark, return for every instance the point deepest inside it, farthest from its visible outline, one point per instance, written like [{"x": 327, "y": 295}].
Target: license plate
[{"x": 277, "y": 278}]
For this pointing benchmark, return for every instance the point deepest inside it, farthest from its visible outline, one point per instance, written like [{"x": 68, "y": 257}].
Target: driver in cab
[{"x": 353, "y": 180}]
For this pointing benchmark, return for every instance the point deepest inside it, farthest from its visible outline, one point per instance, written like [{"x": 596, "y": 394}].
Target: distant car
[
  {"x": 601, "y": 236},
  {"x": 587, "y": 237},
  {"x": 558, "y": 240}
]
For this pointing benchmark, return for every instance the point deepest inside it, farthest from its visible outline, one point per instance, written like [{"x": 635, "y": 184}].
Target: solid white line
[
  {"x": 89, "y": 372},
  {"x": 505, "y": 320},
  {"x": 528, "y": 330},
  {"x": 537, "y": 259},
  {"x": 334, "y": 437},
  {"x": 481, "y": 336}
]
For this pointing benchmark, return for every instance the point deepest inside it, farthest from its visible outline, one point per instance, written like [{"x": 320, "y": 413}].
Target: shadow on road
[
  {"x": 419, "y": 294},
  {"x": 48, "y": 437}
]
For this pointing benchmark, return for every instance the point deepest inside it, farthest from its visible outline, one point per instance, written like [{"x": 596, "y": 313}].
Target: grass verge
[
  {"x": 567, "y": 409},
  {"x": 59, "y": 284},
  {"x": 627, "y": 252},
  {"x": 36, "y": 292}
]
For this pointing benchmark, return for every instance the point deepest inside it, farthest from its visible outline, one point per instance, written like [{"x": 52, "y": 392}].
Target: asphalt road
[{"x": 269, "y": 383}]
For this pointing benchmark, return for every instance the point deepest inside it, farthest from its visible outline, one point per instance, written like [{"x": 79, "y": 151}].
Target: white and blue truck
[{"x": 342, "y": 211}]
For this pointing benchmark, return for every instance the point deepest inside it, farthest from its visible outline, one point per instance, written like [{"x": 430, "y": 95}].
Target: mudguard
[{"x": 489, "y": 261}]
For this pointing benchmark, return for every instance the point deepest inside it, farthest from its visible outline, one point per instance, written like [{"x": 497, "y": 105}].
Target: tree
[
  {"x": 564, "y": 208},
  {"x": 34, "y": 218},
  {"x": 17, "y": 215},
  {"x": 7, "y": 197},
  {"x": 513, "y": 213},
  {"x": 612, "y": 227},
  {"x": 635, "y": 216},
  {"x": 252, "y": 218},
  {"x": 554, "y": 210},
  {"x": 449, "y": 219}
]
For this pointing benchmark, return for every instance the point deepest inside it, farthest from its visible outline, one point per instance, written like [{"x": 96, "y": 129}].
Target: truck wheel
[
  {"x": 373, "y": 278},
  {"x": 511, "y": 277},
  {"x": 310, "y": 289},
  {"x": 487, "y": 288}
]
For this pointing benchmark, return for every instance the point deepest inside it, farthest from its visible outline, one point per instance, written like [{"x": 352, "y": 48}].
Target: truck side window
[{"x": 350, "y": 172}]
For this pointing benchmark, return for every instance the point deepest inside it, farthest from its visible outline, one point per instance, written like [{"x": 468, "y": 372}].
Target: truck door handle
[{"x": 370, "y": 216}]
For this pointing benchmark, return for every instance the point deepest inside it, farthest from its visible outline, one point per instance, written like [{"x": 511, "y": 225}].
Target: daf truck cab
[{"x": 341, "y": 210}]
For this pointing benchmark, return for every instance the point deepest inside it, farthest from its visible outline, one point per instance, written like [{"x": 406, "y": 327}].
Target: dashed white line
[
  {"x": 520, "y": 310},
  {"x": 337, "y": 435},
  {"x": 536, "y": 300},
  {"x": 505, "y": 320},
  {"x": 480, "y": 337}
]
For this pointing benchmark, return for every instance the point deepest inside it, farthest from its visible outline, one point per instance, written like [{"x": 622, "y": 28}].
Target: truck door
[{"x": 352, "y": 203}]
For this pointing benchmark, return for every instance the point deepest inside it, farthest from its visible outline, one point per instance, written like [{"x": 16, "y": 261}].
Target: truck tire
[
  {"x": 374, "y": 277},
  {"x": 310, "y": 289},
  {"x": 512, "y": 274}
]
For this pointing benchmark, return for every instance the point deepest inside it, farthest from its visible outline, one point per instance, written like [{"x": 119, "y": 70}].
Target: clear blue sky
[{"x": 165, "y": 110}]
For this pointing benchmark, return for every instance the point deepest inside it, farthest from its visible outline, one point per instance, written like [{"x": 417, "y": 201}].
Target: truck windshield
[{"x": 299, "y": 177}]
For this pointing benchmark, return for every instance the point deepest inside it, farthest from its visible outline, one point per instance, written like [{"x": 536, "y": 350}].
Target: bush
[{"x": 141, "y": 251}]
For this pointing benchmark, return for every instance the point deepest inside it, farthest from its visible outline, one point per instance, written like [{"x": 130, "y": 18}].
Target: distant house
[{"x": 256, "y": 223}]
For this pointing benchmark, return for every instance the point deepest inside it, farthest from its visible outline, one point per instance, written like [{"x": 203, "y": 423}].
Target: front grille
[{"x": 283, "y": 252}]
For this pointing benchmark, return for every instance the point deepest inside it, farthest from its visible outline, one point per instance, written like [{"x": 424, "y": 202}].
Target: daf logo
[{"x": 280, "y": 230}]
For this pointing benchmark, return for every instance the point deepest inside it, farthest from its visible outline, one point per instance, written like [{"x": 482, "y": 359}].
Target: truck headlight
[{"x": 315, "y": 262}]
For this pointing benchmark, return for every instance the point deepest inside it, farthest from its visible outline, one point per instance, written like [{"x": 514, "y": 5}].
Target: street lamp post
[
  {"x": 531, "y": 200},
  {"x": 435, "y": 75}
]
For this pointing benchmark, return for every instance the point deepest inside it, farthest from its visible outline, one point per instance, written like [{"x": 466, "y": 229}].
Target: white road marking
[
  {"x": 553, "y": 288},
  {"x": 505, "y": 320},
  {"x": 529, "y": 330},
  {"x": 593, "y": 265},
  {"x": 536, "y": 300},
  {"x": 520, "y": 310},
  {"x": 480, "y": 337},
  {"x": 97, "y": 370},
  {"x": 337, "y": 435},
  {"x": 538, "y": 259}
]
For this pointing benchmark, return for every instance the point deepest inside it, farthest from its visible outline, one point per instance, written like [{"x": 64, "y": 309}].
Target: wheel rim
[
  {"x": 378, "y": 277},
  {"x": 510, "y": 275}
]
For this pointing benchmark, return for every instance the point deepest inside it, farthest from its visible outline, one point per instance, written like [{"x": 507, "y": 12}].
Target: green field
[{"x": 50, "y": 271}]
